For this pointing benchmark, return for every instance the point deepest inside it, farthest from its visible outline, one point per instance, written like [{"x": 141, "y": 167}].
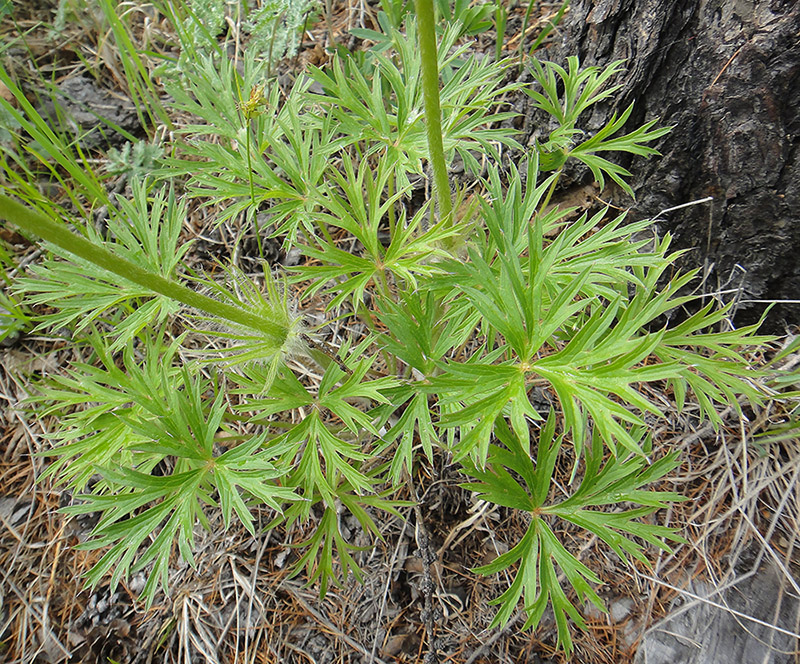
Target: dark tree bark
[{"x": 726, "y": 75}]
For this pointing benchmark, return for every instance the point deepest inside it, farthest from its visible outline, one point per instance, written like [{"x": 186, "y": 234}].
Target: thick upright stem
[
  {"x": 59, "y": 235},
  {"x": 433, "y": 113}
]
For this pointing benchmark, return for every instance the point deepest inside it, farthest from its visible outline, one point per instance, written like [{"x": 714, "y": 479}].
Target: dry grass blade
[
  {"x": 296, "y": 592},
  {"x": 239, "y": 604}
]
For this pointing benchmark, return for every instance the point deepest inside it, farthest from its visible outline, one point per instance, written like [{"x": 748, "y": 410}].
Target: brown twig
[
  {"x": 427, "y": 586},
  {"x": 323, "y": 620}
]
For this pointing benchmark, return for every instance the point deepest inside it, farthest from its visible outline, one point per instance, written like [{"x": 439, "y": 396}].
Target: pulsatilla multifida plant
[{"x": 465, "y": 319}]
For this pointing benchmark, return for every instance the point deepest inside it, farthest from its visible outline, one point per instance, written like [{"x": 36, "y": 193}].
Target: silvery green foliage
[
  {"x": 275, "y": 27},
  {"x": 136, "y": 159},
  {"x": 208, "y": 17},
  {"x": 272, "y": 25},
  {"x": 62, "y": 14}
]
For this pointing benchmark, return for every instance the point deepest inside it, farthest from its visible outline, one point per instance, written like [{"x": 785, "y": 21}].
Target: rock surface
[
  {"x": 92, "y": 112},
  {"x": 726, "y": 75},
  {"x": 701, "y": 633}
]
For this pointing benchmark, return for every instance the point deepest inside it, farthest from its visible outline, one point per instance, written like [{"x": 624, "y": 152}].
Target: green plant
[
  {"x": 552, "y": 23},
  {"x": 14, "y": 318},
  {"x": 565, "y": 95},
  {"x": 465, "y": 318},
  {"x": 500, "y": 18},
  {"x": 539, "y": 552},
  {"x": 140, "y": 86},
  {"x": 272, "y": 29},
  {"x": 137, "y": 159}
]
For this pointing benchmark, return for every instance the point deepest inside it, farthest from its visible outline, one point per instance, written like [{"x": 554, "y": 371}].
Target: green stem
[
  {"x": 521, "y": 48},
  {"x": 390, "y": 195},
  {"x": 250, "y": 165},
  {"x": 433, "y": 112},
  {"x": 59, "y": 235},
  {"x": 550, "y": 191},
  {"x": 500, "y": 18},
  {"x": 272, "y": 43},
  {"x": 256, "y": 229}
]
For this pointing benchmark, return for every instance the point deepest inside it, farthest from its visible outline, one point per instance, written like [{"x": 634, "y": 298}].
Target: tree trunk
[{"x": 726, "y": 75}]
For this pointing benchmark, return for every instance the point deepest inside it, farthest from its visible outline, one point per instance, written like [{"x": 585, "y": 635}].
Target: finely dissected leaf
[
  {"x": 472, "y": 396},
  {"x": 418, "y": 333},
  {"x": 290, "y": 147},
  {"x": 386, "y": 112},
  {"x": 178, "y": 504},
  {"x": 322, "y": 456},
  {"x": 451, "y": 338},
  {"x": 324, "y": 463},
  {"x": 566, "y": 99},
  {"x": 245, "y": 470},
  {"x": 405, "y": 254},
  {"x": 602, "y": 141},
  {"x": 93, "y": 403},
  {"x": 415, "y": 423},
  {"x": 145, "y": 231},
  {"x": 318, "y": 559},
  {"x": 353, "y": 387},
  {"x": 597, "y": 363},
  {"x": 713, "y": 363},
  {"x": 578, "y": 89},
  {"x": 175, "y": 425},
  {"x": 575, "y": 312},
  {"x": 335, "y": 392},
  {"x": 540, "y": 554}
]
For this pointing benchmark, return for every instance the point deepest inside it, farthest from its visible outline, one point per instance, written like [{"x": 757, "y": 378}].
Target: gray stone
[
  {"x": 620, "y": 609},
  {"x": 79, "y": 104},
  {"x": 700, "y": 632}
]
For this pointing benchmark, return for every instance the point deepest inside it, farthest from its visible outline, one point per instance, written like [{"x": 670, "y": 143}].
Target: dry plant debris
[{"x": 240, "y": 605}]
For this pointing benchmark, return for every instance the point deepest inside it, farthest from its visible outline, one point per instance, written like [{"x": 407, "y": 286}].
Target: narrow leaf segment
[{"x": 59, "y": 235}]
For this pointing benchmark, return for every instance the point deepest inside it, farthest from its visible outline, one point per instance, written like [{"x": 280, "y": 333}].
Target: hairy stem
[
  {"x": 433, "y": 120},
  {"x": 59, "y": 235}
]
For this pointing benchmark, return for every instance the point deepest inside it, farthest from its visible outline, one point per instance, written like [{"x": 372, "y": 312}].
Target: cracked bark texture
[{"x": 726, "y": 75}]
